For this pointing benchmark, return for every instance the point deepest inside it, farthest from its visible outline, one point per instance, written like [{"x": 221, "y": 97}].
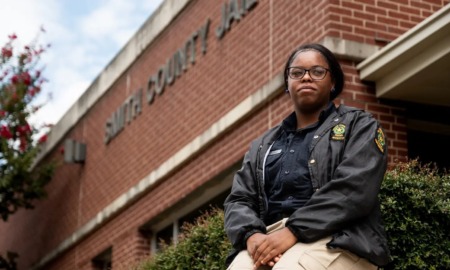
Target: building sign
[
  {"x": 175, "y": 66},
  {"x": 233, "y": 12},
  {"x": 128, "y": 111}
]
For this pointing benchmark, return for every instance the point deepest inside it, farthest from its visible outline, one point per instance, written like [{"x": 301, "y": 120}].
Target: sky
[{"x": 84, "y": 36}]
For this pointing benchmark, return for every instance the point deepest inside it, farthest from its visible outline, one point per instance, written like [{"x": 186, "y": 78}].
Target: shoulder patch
[
  {"x": 338, "y": 132},
  {"x": 380, "y": 140}
]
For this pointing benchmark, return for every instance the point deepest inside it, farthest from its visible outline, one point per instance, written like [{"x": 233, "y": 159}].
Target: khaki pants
[{"x": 302, "y": 256}]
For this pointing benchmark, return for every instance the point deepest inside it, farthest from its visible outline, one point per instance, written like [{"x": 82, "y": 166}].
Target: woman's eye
[
  {"x": 317, "y": 72},
  {"x": 296, "y": 74}
]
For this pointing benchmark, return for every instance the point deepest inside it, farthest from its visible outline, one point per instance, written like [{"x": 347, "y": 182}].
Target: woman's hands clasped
[{"x": 267, "y": 249}]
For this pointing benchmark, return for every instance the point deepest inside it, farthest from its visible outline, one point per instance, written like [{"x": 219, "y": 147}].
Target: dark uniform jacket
[{"x": 348, "y": 159}]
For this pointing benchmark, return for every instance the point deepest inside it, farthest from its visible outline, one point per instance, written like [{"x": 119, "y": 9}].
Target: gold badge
[
  {"x": 379, "y": 140},
  {"x": 338, "y": 132}
]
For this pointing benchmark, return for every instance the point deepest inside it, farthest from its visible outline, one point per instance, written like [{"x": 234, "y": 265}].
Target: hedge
[
  {"x": 416, "y": 211},
  {"x": 204, "y": 245}
]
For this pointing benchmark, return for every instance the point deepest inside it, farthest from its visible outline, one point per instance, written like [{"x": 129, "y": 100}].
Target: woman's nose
[{"x": 307, "y": 77}]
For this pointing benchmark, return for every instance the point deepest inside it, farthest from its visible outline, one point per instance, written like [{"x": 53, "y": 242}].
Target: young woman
[{"x": 306, "y": 196}]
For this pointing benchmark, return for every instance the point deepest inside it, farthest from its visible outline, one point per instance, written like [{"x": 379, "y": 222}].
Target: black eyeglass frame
[{"x": 307, "y": 70}]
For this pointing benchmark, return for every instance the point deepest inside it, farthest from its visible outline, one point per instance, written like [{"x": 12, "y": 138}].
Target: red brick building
[{"x": 158, "y": 135}]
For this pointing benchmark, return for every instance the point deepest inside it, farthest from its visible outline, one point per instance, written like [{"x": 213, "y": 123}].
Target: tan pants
[{"x": 302, "y": 256}]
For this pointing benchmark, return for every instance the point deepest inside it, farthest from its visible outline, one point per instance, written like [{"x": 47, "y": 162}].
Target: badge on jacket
[
  {"x": 379, "y": 140},
  {"x": 338, "y": 132}
]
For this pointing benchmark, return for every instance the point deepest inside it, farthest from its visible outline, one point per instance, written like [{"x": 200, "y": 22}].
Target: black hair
[{"x": 335, "y": 68}]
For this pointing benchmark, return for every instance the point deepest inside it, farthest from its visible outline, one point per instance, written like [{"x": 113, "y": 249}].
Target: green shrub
[
  {"x": 203, "y": 246},
  {"x": 415, "y": 202},
  {"x": 416, "y": 211}
]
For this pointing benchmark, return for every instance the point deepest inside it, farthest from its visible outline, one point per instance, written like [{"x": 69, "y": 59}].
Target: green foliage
[
  {"x": 203, "y": 246},
  {"x": 20, "y": 84},
  {"x": 416, "y": 210}
]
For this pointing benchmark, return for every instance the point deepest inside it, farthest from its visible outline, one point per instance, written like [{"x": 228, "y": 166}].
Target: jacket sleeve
[
  {"x": 241, "y": 206},
  {"x": 351, "y": 192}
]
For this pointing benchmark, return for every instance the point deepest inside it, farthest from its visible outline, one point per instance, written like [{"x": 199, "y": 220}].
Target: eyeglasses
[{"x": 316, "y": 73}]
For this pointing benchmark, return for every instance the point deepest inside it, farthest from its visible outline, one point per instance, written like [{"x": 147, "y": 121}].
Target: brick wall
[
  {"x": 377, "y": 21},
  {"x": 248, "y": 56},
  {"x": 362, "y": 95}
]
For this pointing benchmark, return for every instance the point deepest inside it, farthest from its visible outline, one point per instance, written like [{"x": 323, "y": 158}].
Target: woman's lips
[{"x": 307, "y": 88}]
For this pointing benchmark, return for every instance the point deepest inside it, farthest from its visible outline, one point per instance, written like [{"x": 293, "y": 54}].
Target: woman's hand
[
  {"x": 272, "y": 262},
  {"x": 267, "y": 249}
]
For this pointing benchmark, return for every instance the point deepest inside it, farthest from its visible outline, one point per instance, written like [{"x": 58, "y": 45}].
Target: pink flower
[
  {"x": 6, "y": 52},
  {"x": 23, "y": 77},
  {"x": 32, "y": 91},
  {"x": 43, "y": 139},
  {"x": 23, "y": 144},
  {"x": 26, "y": 78},
  {"x": 23, "y": 130},
  {"x": 5, "y": 132},
  {"x": 15, "y": 79}
]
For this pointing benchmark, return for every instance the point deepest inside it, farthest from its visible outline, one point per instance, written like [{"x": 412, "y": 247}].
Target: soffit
[{"x": 416, "y": 66}]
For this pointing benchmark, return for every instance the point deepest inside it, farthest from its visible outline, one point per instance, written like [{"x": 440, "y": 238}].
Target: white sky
[{"x": 84, "y": 36}]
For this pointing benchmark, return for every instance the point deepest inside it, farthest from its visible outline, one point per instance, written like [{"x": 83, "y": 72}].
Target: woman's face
[{"x": 307, "y": 94}]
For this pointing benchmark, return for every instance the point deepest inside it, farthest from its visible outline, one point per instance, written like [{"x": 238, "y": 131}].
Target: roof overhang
[{"x": 416, "y": 66}]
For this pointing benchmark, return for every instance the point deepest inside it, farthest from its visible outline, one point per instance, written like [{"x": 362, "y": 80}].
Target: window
[
  {"x": 428, "y": 130},
  {"x": 423, "y": 145},
  {"x": 163, "y": 237},
  {"x": 166, "y": 226},
  {"x": 103, "y": 260},
  {"x": 169, "y": 234},
  {"x": 216, "y": 202}
]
